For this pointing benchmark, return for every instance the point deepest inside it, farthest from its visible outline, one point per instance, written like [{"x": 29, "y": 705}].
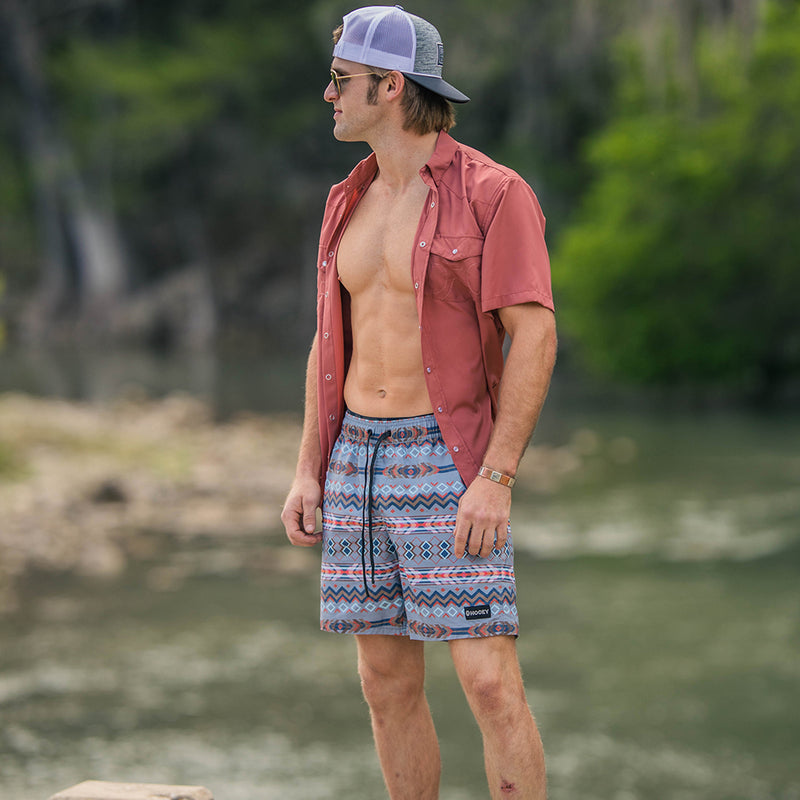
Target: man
[{"x": 430, "y": 253}]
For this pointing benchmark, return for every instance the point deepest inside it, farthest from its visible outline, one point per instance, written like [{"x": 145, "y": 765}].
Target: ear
[{"x": 394, "y": 84}]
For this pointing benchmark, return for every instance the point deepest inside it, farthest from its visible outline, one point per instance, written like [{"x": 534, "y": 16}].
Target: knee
[
  {"x": 389, "y": 687},
  {"x": 491, "y": 695}
]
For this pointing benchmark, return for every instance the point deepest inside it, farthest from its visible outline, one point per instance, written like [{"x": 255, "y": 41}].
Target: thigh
[{"x": 384, "y": 656}]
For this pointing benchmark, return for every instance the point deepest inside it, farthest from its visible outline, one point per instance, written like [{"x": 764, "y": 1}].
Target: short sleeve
[{"x": 515, "y": 266}]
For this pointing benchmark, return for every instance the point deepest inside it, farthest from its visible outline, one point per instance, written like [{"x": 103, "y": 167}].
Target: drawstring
[{"x": 366, "y": 511}]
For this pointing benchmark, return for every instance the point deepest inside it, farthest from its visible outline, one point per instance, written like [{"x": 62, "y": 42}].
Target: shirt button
[
  {"x": 416, "y": 286},
  {"x": 330, "y": 255},
  {"x": 439, "y": 409},
  {"x": 422, "y": 244},
  {"x": 324, "y": 263},
  {"x": 332, "y": 417},
  {"x": 455, "y": 251},
  {"x": 427, "y": 369},
  {"x": 328, "y": 377},
  {"x": 433, "y": 204},
  {"x": 325, "y": 335},
  {"x": 455, "y": 449}
]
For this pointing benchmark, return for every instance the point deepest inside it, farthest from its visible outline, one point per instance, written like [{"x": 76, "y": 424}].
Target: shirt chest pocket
[{"x": 454, "y": 268}]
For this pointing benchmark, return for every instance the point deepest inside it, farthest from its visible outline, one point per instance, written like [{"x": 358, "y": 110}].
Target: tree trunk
[{"x": 83, "y": 268}]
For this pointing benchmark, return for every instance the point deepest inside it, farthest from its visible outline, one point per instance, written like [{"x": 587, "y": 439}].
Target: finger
[
  {"x": 502, "y": 536},
  {"x": 290, "y": 520},
  {"x": 475, "y": 539},
  {"x": 293, "y": 521},
  {"x": 461, "y": 536},
  {"x": 309, "y": 517},
  {"x": 305, "y": 539},
  {"x": 488, "y": 544}
]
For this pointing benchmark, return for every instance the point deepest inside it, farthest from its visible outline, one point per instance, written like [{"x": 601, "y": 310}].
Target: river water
[{"x": 658, "y": 594}]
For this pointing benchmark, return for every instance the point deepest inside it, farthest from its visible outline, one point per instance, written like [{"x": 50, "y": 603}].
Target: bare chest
[{"x": 375, "y": 251}]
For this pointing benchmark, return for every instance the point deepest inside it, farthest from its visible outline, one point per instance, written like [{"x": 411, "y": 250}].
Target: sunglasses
[{"x": 338, "y": 80}]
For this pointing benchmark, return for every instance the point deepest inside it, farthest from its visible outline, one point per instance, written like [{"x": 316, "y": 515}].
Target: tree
[
  {"x": 681, "y": 265},
  {"x": 82, "y": 253}
]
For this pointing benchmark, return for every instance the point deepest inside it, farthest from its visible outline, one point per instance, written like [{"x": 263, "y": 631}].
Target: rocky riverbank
[{"x": 82, "y": 486}]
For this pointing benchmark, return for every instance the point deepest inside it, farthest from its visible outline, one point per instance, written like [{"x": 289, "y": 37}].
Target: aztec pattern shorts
[{"x": 388, "y": 523}]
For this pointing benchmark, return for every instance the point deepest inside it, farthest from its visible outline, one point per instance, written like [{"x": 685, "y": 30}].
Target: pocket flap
[{"x": 457, "y": 248}]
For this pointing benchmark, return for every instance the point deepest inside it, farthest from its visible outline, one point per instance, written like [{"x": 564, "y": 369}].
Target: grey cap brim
[{"x": 438, "y": 86}]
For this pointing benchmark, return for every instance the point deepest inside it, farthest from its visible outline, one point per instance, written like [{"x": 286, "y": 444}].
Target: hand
[
  {"x": 482, "y": 520},
  {"x": 299, "y": 515}
]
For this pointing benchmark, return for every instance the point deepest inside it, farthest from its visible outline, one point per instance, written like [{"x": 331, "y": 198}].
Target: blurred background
[{"x": 163, "y": 169}]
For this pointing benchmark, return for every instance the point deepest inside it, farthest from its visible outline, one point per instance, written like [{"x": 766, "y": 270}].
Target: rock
[
  {"x": 103, "y": 790},
  {"x": 109, "y": 491}
]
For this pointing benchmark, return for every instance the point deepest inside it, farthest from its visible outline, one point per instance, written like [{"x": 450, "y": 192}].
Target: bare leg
[
  {"x": 392, "y": 670},
  {"x": 490, "y": 676}
]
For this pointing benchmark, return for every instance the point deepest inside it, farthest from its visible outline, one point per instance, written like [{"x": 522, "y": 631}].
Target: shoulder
[
  {"x": 488, "y": 187},
  {"x": 482, "y": 164},
  {"x": 480, "y": 177}
]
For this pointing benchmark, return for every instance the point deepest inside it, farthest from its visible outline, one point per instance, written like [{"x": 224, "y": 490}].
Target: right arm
[{"x": 299, "y": 514}]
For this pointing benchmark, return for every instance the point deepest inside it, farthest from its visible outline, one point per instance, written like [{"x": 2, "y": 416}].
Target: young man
[{"x": 430, "y": 253}]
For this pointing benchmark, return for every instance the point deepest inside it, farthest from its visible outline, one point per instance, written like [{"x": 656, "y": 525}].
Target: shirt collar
[
  {"x": 364, "y": 172},
  {"x": 362, "y": 175},
  {"x": 442, "y": 158}
]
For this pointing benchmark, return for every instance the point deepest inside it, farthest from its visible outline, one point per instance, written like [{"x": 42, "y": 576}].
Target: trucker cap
[{"x": 389, "y": 37}]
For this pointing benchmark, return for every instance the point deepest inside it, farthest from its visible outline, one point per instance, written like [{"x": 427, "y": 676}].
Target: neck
[{"x": 401, "y": 158}]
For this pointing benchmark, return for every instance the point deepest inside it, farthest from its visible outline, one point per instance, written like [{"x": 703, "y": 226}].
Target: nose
[{"x": 330, "y": 93}]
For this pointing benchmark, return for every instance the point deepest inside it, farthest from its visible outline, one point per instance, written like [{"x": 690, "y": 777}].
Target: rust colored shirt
[{"x": 479, "y": 247}]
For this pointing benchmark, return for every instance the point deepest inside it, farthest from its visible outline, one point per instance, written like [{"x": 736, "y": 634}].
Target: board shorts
[{"x": 388, "y": 526}]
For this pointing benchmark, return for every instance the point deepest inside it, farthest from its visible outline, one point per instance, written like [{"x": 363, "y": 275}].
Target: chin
[{"x": 341, "y": 134}]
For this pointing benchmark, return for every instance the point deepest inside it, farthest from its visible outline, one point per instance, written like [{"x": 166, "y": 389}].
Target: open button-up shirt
[{"x": 480, "y": 247}]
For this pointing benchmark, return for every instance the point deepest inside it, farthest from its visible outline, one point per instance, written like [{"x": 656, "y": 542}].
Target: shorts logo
[{"x": 477, "y": 612}]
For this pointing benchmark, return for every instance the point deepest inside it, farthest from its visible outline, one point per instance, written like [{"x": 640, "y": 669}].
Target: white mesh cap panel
[{"x": 378, "y": 36}]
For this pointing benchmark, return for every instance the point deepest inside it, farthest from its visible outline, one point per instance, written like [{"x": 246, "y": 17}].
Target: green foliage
[
  {"x": 682, "y": 264},
  {"x": 2, "y": 324},
  {"x": 200, "y": 130},
  {"x": 155, "y": 99},
  {"x": 17, "y": 238}
]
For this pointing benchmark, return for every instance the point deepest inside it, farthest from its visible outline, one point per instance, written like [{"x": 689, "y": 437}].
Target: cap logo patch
[{"x": 440, "y": 57}]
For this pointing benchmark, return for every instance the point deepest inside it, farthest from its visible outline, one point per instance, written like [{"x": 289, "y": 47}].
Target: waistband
[{"x": 358, "y": 428}]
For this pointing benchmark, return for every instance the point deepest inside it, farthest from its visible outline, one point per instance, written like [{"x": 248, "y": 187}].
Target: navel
[{"x": 381, "y": 393}]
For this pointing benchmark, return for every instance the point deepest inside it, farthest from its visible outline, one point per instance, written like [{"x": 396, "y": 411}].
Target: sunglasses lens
[{"x": 335, "y": 80}]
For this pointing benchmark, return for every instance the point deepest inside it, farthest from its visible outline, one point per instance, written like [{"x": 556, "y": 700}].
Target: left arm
[{"x": 484, "y": 508}]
